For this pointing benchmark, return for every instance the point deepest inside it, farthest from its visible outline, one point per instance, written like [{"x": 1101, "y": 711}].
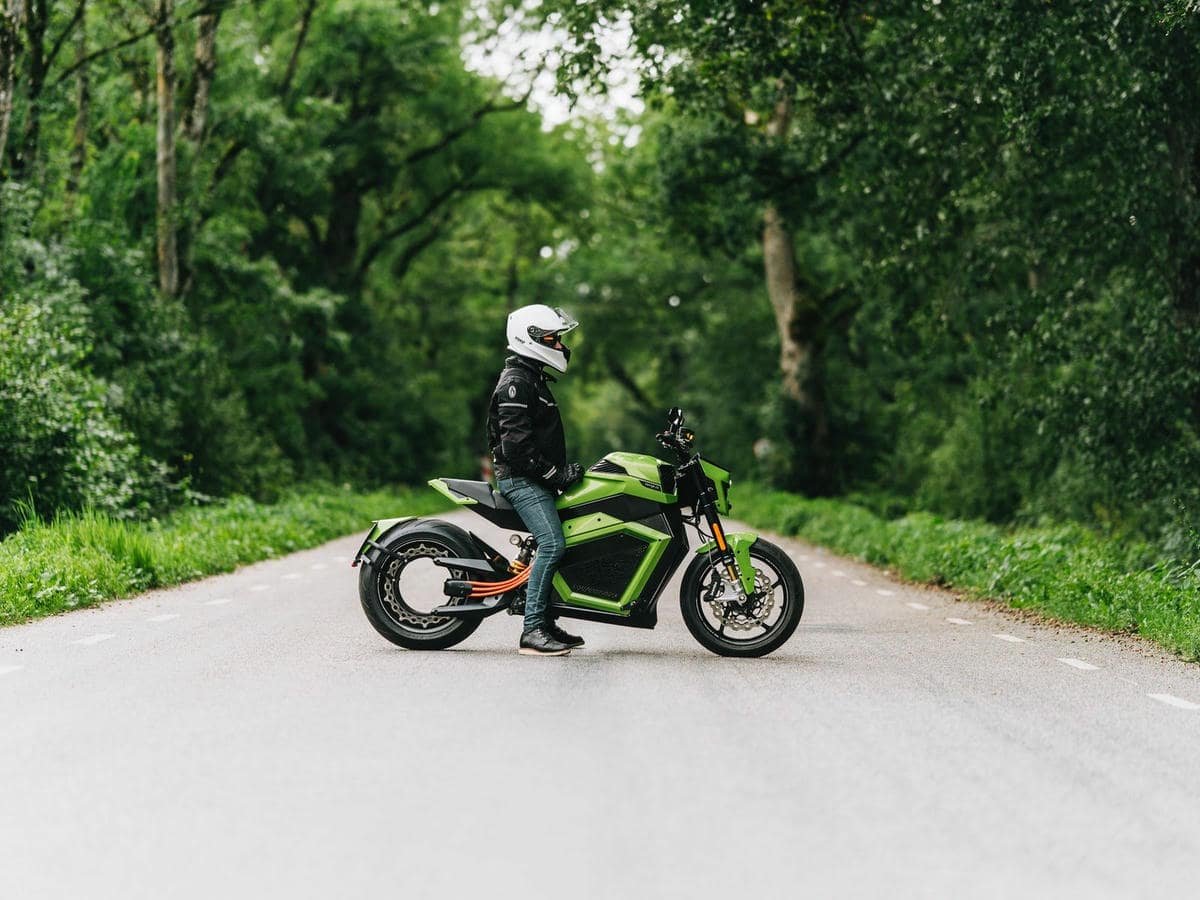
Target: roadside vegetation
[
  {"x": 80, "y": 559},
  {"x": 1066, "y": 572},
  {"x": 941, "y": 253}
]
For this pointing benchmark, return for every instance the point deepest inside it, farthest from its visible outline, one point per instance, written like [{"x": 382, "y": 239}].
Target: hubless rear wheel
[
  {"x": 729, "y": 626},
  {"x": 400, "y": 587}
]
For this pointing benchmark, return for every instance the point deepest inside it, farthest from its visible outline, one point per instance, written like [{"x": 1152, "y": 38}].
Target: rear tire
[
  {"x": 702, "y": 594},
  {"x": 393, "y": 614}
]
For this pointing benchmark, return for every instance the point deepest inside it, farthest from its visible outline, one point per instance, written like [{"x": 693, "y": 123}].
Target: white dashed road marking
[
  {"x": 165, "y": 617},
  {"x": 839, "y": 573},
  {"x": 954, "y": 621},
  {"x": 260, "y": 587},
  {"x": 917, "y": 605},
  {"x": 8, "y": 670},
  {"x": 859, "y": 582},
  {"x": 820, "y": 565},
  {"x": 1077, "y": 664},
  {"x": 1171, "y": 700},
  {"x": 292, "y": 576},
  {"x": 220, "y": 601},
  {"x": 1011, "y": 638},
  {"x": 884, "y": 593},
  {"x": 94, "y": 639},
  {"x": 316, "y": 566},
  {"x": 341, "y": 559}
]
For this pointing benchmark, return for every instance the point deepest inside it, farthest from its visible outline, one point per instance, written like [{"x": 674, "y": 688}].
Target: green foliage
[
  {"x": 994, "y": 213},
  {"x": 346, "y": 226},
  {"x": 1068, "y": 572},
  {"x": 61, "y": 446},
  {"x": 1003, "y": 204},
  {"x": 80, "y": 559}
]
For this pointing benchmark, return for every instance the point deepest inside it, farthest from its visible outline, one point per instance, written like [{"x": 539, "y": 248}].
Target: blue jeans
[{"x": 535, "y": 505}]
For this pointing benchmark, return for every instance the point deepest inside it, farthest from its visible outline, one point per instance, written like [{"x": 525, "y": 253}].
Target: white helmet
[{"x": 536, "y": 331}]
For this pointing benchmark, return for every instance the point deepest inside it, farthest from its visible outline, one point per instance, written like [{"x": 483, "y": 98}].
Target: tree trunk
[
  {"x": 11, "y": 18},
  {"x": 206, "y": 67},
  {"x": 168, "y": 256},
  {"x": 36, "y": 15},
  {"x": 797, "y": 319},
  {"x": 789, "y": 305},
  {"x": 285, "y": 89},
  {"x": 83, "y": 108}
]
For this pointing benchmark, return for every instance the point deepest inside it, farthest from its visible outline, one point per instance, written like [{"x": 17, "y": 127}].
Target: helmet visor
[
  {"x": 568, "y": 321},
  {"x": 553, "y": 338}
]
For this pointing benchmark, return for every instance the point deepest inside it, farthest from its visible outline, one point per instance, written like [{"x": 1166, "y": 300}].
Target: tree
[
  {"x": 168, "y": 252},
  {"x": 783, "y": 82}
]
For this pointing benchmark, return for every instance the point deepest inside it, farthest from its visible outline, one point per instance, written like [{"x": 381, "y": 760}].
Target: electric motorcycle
[{"x": 624, "y": 526}]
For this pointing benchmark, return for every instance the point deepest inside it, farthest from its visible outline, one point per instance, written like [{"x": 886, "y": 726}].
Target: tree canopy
[{"x": 933, "y": 255}]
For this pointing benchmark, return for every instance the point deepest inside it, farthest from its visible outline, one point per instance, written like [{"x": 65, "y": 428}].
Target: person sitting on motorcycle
[{"x": 529, "y": 454}]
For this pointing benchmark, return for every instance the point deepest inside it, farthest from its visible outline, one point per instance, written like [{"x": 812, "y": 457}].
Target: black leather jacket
[{"x": 525, "y": 431}]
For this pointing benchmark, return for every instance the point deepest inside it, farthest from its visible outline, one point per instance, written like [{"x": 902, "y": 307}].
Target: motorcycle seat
[
  {"x": 489, "y": 503},
  {"x": 479, "y": 491}
]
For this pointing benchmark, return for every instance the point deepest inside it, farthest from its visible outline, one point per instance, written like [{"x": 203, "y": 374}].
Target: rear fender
[
  {"x": 381, "y": 535},
  {"x": 740, "y": 543},
  {"x": 370, "y": 548}
]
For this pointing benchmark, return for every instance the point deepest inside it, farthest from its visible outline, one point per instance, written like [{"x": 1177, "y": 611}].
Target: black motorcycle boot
[
  {"x": 563, "y": 637},
  {"x": 540, "y": 642}
]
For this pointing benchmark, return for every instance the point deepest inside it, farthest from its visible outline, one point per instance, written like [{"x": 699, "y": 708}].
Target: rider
[{"x": 525, "y": 436}]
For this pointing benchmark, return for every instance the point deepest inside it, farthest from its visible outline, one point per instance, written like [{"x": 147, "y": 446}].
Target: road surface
[{"x": 251, "y": 736}]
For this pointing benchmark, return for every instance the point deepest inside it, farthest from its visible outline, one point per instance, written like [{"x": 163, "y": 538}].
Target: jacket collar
[{"x": 536, "y": 368}]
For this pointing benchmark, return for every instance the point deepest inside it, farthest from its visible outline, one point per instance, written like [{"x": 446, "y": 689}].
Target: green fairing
[
  {"x": 594, "y": 527},
  {"x": 721, "y": 479},
  {"x": 740, "y": 543},
  {"x": 602, "y": 485},
  {"x": 639, "y": 465},
  {"x": 440, "y": 486}
]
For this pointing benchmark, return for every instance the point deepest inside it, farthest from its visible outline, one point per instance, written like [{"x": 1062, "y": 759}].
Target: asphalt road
[{"x": 251, "y": 736}]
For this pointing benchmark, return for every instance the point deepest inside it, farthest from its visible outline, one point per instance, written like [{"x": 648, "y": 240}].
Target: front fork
[{"x": 706, "y": 505}]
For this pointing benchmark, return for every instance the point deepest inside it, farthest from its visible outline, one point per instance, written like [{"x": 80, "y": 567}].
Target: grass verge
[
  {"x": 82, "y": 559},
  {"x": 1066, "y": 572}
]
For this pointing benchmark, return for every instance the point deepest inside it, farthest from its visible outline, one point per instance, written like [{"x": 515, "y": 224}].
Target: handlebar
[{"x": 676, "y": 437}]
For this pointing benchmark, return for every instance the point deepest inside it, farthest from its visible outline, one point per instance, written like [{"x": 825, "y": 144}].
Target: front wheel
[{"x": 727, "y": 625}]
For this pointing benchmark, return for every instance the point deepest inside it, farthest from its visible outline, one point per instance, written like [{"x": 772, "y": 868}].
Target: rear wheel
[
  {"x": 401, "y": 588},
  {"x": 727, "y": 625}
]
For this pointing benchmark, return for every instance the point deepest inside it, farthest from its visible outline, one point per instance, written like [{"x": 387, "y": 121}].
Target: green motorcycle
[{"x": 625, "y": 538}]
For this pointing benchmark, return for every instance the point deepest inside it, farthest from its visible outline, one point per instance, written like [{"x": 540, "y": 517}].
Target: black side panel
[
  {"x": 622, "y": 506},
  {"x": 603, "y": 568}
]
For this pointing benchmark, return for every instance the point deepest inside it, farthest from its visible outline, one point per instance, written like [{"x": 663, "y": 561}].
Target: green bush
[{"x": 60, "y": 448}]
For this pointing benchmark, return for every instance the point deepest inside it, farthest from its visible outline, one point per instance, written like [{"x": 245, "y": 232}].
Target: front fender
[{"x": 740, "y": 543}]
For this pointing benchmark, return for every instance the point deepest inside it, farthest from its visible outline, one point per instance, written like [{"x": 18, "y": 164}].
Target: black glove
[{"x": 565, "y": 476}]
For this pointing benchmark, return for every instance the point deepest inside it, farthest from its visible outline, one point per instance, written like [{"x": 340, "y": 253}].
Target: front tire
[
  {"x": 756, "y": 627},
  {"x": 397, "y": 604}
]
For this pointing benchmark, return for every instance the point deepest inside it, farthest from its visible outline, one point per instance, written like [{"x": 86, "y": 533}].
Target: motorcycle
[{"x": 624, "y": 525}]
